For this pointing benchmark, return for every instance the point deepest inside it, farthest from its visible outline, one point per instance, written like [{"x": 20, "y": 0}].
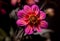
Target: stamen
[{"x": 33, "y": 19}]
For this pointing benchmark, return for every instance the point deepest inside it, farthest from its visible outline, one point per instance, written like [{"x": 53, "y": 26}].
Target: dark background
[{"x": 5, "y": 22}]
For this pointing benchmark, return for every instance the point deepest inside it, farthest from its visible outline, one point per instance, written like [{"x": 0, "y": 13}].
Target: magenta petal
[
  {"x": 43, "y": 24},
  {"x": 35, "y": 8},
  {"x": 39, "y": 29},
  {"x": 21, "y": 22},
  {"x": 20, "y": 13},
  {"x": 28, "y": 30},
  {"x": 27, "y": 9},
  {"x": 42, "y": 15}
]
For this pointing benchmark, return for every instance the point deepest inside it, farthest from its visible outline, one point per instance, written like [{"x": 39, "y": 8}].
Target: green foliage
[{"x": 2, "y": 34}]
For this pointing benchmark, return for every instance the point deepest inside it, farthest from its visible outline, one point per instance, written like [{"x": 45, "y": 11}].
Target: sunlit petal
[
  {"x": 35, "y": 9},
  {"x": 43, "y": 24},
  {"x": 21, "y": 22},
  {"x": 28, "y": 30},
  {"x": 39, "y": 29},
  {"x": 27, "y": 9},
  {"x": 20, "y": 14},
  {"x": 42, "y": 15}
]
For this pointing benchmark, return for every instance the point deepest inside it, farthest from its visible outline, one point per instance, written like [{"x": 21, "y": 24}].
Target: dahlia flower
[{"x": 32, "y": 18}]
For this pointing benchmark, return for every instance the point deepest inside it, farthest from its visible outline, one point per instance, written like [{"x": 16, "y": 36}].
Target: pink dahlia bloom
[{"x": 32, "y": 18}]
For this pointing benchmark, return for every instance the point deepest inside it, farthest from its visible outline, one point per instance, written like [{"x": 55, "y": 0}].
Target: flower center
[{"x": 33, "y": 19}]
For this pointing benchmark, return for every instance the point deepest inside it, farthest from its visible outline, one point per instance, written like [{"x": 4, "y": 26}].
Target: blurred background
[{"x": 8, "y": 21}]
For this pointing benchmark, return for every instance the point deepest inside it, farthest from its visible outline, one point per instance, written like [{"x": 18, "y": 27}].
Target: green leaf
[{"x": 2, "y": 34}]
